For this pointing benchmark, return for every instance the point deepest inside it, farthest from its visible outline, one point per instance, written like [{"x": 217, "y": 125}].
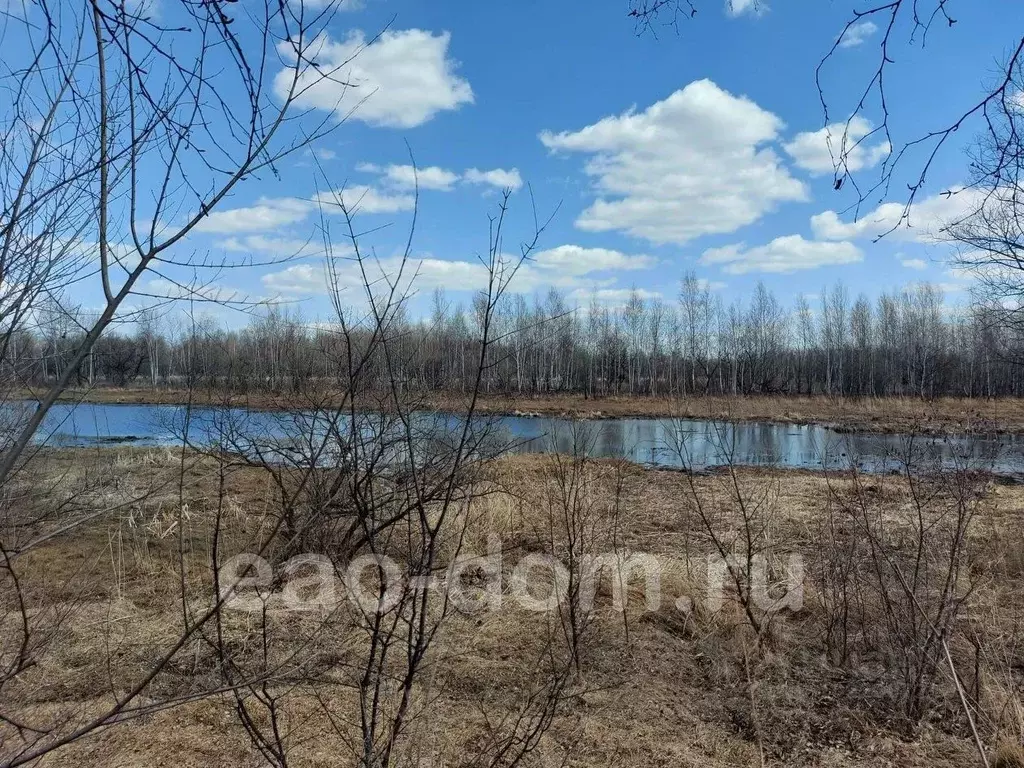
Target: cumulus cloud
[
  {"x": 857, "y": 34},
  {"x": 577, "y": 260},
  {"x": 359, "y": 198},
  {"x": 429, "y": 273},
  {"x": 273, "y": 247},
  {"x": 918, "y": 264},
  {"x": 783, "y": 254},
  {"x": 620, "y": 297},
  {"x": 402, "y": 79},
  {"x": 430, "y": 177},
  {"x": 818, "y": 151},
  {"x": 617, "y": 297},
  {"x": 146, "y": 9},
  {"x": 926, "y": 222},
  {"x": 408, "y": 176},
  {"x": 704, "y": 284},
  {"x": 496, "y": 177},
  {"x": 321, "y": 153},
  {"x": 696, "y": 163},
  {"x": 267, "y": 214},
  {"x": 298, "y": 278},
  {"x": 566, "y": 266},
  {"x": 572, "y": 267},
  {"x": 740, "y": 7},
  {"x": 442, "y": 179}
]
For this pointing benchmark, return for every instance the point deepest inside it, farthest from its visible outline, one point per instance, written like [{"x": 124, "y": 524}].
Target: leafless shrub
[
  {"x": 576, "y": 530},
  {"x": 895, "y": 567},
  {"x": 119, "y": 136},
  {"x": 739, "y": 521},
  {"x": 365, "y": 476}
]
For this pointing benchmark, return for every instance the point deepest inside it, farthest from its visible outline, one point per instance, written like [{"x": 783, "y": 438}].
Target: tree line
[{"x": 907, "y": 342}]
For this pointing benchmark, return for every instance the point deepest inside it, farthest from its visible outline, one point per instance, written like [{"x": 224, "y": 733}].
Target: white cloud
[
  {"x": 359, "y": 198},
  {"x": 693, "y": 164},
  {"x": 615, "y": 296},
  {"x": 267, "y": 214},
  {"x": 277, "y": 247},
  {"x": 783, "y": 254},
  {"x": 969, "y": 277},
  {"x": 496, "y": 177},
  {"x": 739, "y": 7},
  {"x": 817, "y": 151},
  {"x": 917, "y": 264},
  {"x": 433, "y": 177},
  {"x": 710, "y": 285},
  {"x": 573, "y": 267},
  {"x": 858, "y": 33},
  {"x": 407, "y": 176},
  {"x": 400, "y": 80},
  {"x": 146, "y": 9},
  {"x": 322, "y": 153},
  {"x": 566, "y": 266},
  {"x": 619, "y": 297},
  {"x": 298, "y": 278},
  {"x": 925, "y": 224},
  {"x": 420, "y": 274},
  {"x": 577, "y": 260},
  {"x": 433, "y": 273}
]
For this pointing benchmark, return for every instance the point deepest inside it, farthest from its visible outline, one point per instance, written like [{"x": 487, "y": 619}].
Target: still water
[{"x": 666, "y": 442}]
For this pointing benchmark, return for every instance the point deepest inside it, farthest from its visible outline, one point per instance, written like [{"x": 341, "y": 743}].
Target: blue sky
[{"x": 699, "y": 148}]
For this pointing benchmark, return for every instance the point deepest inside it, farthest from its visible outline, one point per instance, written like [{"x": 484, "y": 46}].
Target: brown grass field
[
  {"x": 656, "y": 687},
  {"x": 869, "y": 414}
]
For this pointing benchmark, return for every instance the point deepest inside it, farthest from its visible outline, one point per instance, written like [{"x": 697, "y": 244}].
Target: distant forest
[{"x": 905, "y": 343}]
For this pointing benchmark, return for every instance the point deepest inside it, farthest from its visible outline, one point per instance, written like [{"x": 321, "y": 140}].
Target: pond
[{"x": 664, "y": 442}]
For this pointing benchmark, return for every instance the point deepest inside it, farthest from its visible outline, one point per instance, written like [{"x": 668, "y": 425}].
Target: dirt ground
[
  {"x": 889, "y": 414},
  {"x": 656, "y": 687}
]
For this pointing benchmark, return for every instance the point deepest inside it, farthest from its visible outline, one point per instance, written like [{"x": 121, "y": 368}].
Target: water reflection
[
  {"x": 692, "y": 443},
  {"x": 703, "y": 444}
]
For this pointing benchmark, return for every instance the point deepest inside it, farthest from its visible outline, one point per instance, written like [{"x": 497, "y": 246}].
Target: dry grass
[{"x": 661, "y": 688}]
